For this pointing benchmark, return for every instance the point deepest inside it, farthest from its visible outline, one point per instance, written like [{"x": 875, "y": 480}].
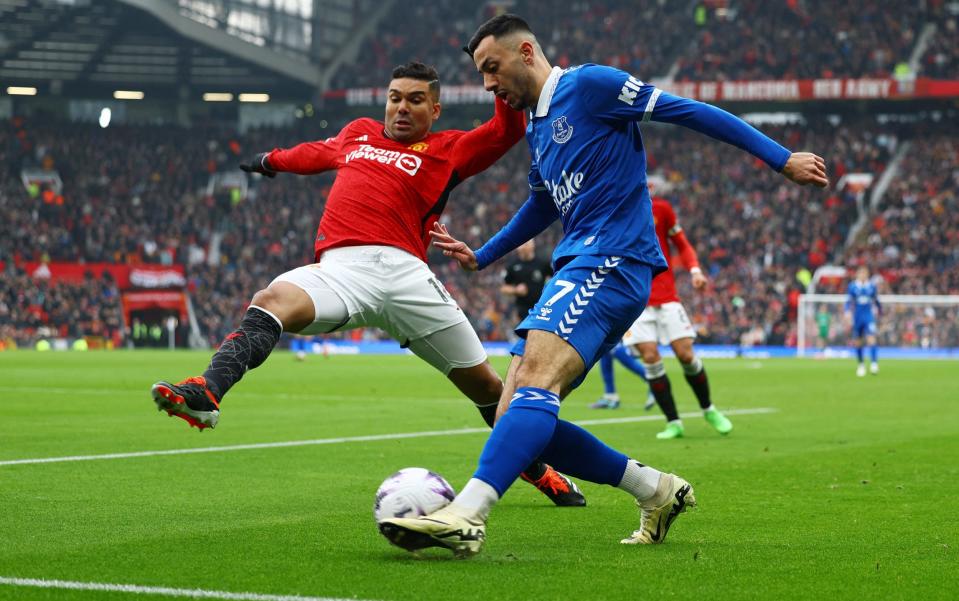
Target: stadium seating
[
  {"x": 914, "y": 235},
  {"x": 941, "y": 59},
  {"x": 753, "y": 39},
  {"x": 33, "y": 308},
  {"x": 705, "y": 41},
  {"x": 139, "y": 195}
]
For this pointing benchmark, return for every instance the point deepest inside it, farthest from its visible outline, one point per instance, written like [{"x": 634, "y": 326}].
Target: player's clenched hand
[
  {"x": 806, "y": 168},
  {"x": 452, "y": 247},
  {"x": 259, "y": 164}
]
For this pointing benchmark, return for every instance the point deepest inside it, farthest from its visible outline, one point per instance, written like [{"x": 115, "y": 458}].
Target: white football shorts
[
  {"x": 662, "y": 324},
  {"x": 388, "y": 288}
]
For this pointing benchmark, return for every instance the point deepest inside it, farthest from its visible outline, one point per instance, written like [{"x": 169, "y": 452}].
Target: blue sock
[
  {"x": 623, "y": 355},
  {"x": 576, "y": 452},
  {"x": 874, "y": 353},
  {"x": 518, "y": 437},
  {"x": 859, "y": 353},
  {"x": 606, "y": 368}
]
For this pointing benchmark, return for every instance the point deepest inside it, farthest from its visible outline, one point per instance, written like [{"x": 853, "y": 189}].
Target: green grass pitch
[{"x": 849, "y": 490}]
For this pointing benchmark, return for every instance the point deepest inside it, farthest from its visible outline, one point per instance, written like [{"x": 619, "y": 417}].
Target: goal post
[{"x": 919, "y": 322}]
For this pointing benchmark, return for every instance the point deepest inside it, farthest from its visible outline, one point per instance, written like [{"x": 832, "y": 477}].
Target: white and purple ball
[{"x": 411, "y": 492}]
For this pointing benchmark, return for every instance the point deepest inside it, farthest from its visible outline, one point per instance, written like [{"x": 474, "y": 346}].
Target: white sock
[
  {"x": 611, "y": 396},
  {"x": 710, "y": 408},
  {"x": 476, "y": 499},
  {"x": 693, "y": 367},
  {"x": 640, "y": 480}
]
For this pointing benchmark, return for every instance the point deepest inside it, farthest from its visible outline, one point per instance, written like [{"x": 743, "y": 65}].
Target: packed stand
[
  {"x": 913, "y": 239},
  {"x": 704, "y": 41},
  {"x": 801, "y": 39},
  {"x": 753, "y": 230},
  {"x": 941, "y": 58},
  {"x": 32, "y": 307},
  {"x": 139, "y": 195},
  {"x": 582, "y": 32}
]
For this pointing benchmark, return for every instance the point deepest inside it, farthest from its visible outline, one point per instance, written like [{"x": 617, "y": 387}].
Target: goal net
[{"x": 917, "y": 325}]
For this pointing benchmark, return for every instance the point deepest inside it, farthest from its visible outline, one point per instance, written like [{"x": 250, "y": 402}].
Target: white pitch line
[
  {"x": 233, "y": 393},
  {"x": 367, "y": 438},
  {"x": 156, "y": 590}
]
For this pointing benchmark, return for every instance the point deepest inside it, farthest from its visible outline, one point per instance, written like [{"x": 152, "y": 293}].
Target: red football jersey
[
  {"x": 390, "y": 193},
  {"x": 664, "y": 285}
]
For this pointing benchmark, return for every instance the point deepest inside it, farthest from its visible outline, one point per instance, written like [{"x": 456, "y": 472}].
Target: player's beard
[{"x": 523, "y": 92}]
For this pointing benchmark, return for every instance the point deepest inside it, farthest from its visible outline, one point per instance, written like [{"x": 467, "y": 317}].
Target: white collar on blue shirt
[{"x": 546, "y": 94}]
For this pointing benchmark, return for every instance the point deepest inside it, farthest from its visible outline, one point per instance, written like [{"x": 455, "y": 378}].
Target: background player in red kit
[
  {"x": 393, "y": 180},
  {"x": 665, "y": 320}
]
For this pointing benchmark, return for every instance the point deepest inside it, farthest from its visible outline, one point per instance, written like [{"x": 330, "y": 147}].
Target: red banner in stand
[
  {"x": 783, "y": 90},
  {"x": 125, "y": 276},
  {"x": 169, "y": 300}
]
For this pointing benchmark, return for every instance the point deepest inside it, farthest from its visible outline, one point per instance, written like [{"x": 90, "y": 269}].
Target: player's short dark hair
[
  {"x": 417, "y": 70},
  {"x": 498, "y": 26}
]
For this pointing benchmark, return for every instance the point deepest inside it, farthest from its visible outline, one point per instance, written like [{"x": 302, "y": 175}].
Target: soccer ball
[{"x": 411, "y": 492}]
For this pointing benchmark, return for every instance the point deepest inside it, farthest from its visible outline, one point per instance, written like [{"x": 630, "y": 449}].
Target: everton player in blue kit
[
  {"x": 862, "y": 296},
  {"x": 588, "y": 169},
  {"x": 610, "y": 398}
]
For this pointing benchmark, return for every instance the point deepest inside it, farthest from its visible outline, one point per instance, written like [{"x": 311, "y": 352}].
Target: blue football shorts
[
  {"x": 589, "y": 302},
  {"x": 864, "y": 327}
]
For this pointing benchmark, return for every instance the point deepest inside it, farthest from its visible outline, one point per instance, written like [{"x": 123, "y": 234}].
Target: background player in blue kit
[
  {"x": 588, "y": 169},
  {"x": 863, "y": 294},
  {"x": 610, "y": 398}
]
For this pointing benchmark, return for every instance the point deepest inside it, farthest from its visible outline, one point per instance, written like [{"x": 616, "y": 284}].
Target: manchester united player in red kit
[
  {"x": 665, "y": 320},
  {"x": 393, "y": 180}
]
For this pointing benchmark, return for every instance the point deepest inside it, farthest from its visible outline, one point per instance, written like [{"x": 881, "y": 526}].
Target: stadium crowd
[
  {"x": 140, "y": 194},
  {"x": 941, "y": 59},
  {"x": 33, "y": 308},
  {"x": 757, "y": 39},
  {"x": 581, "y": 32},
  {"x": 753, "y": 230},
  {"x": 704, "y": 40},
  {"x": 914, "y": 235}
]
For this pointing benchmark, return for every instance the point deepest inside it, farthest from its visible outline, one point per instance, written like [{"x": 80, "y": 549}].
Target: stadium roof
[{"x": 173, "y": 48}]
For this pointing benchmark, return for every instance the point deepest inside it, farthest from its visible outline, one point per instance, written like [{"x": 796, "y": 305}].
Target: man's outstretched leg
[
  {"x": 281, "y": 306},
  {"x": 458, "y": 353},
  {"x": 519, "y": 436},
  {"x": 529, "y": 428}
]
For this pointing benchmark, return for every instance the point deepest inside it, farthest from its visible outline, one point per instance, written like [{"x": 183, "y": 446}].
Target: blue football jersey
[
  {"x": 588, "y": 163},
  {"x": 592, "y": 165},
  {"x": 862, "y": 296},
  {"x": 587, "y": 155}
]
